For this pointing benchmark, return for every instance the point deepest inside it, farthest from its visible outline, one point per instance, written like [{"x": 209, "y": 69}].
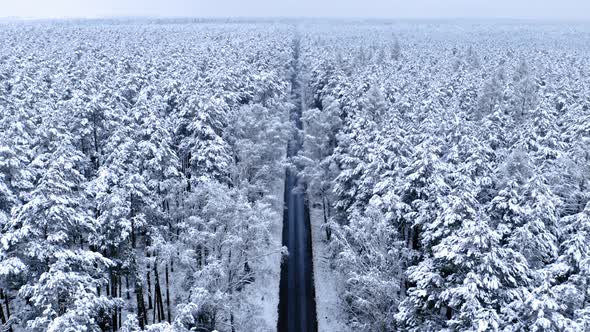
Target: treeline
[
  {"x": 452, "y": 167},
  {"x": 137, "y": 166}
]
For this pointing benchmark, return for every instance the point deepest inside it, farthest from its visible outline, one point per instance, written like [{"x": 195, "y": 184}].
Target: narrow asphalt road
[{"x": 297, "y": 307}]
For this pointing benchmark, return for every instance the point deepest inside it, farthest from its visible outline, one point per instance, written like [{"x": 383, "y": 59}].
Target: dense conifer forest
[{"x": 142, "y": 164}]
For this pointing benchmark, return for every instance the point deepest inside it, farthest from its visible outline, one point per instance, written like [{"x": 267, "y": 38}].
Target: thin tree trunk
[
  {"x": 230, "y": 288},
  {"x": 108, "y": 287},
  {"x": 115, "y": 316},
  {"x": 127, "y": 286},
  {"x": 188, "y": 174},
  {"x": 7, "y": 303},
  {"x": 95, "y": 136},
  {"x": 169, "y": 311},
  {"x": 141, "y": 311},
  {"x": 232, "y": 321},
  {"x": 2, "y": 317},
  {"x": 149, "y": 284},
  {"x": 324, "y": 207},
  {"x": 133, "y": 240},
  {"x": 120, "y": 292},
  {"x": 154, "y": 312},
  {"x": 408, "y": 240},
  {"x": 159, "y": 306}
]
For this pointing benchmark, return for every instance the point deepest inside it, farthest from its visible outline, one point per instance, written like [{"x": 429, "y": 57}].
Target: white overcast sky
[{"x": 543, "y": 9}]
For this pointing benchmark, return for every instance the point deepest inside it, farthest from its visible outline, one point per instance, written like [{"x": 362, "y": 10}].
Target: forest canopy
[{"x": 140, "y": 161}]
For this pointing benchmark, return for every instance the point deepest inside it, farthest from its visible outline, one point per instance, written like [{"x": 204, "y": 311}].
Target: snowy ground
[
  {"x": 264, "y": 292},
  {"x": 327, "y": 281}
]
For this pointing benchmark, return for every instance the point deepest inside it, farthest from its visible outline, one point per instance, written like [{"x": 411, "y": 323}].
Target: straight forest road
[{"x": 297, "y": 307}]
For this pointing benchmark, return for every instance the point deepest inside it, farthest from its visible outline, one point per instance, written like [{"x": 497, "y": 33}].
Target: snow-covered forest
[{"x": 142, "y": 164}]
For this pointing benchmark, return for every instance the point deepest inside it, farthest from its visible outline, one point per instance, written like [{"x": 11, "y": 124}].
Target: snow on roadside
[
  {"x": 263, "y": 293},
  {"x": 330, "y": 315}
]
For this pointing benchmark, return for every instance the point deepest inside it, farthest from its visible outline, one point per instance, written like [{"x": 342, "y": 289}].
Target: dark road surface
[{"x": 297, "y": 308}]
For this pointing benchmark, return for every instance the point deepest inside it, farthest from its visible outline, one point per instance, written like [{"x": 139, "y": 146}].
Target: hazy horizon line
[{"x": 263, "y": 18}]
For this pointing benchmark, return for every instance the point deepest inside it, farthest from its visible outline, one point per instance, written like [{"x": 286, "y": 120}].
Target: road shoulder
[{"x": 330, "y": 315}]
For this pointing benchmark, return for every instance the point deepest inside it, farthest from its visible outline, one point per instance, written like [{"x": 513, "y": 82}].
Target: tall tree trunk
[
  {"x": 7, "y": 303},
  {"x": 2, "y": 317},
  {"x": 141, "y": 311},
  {"x": 127, "y": 286},
  {"x": 154, "y": 311},
  {"x": 115, "y": 316},
  {"x": 169, "y": 311},
  {"x": 230, "y": 291},
  {"x": 133, "y": 240},
  {"x": 95, "y": 136},
  {"x": 324, "y": 208},
  {"x": 188, "y": 173},
  {"x": 159, "y": 302},
  {"x": 120, "y": 293},
  {"x": 149, "y": 283},
  {"x": 232, "y": 322},
  {"x": 405, "y": 230}
]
